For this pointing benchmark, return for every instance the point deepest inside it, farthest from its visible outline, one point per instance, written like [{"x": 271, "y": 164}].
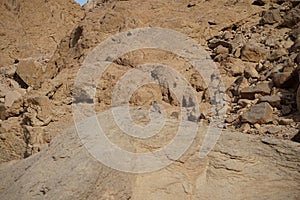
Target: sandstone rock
[
  {"x": 8, "y": 71},
  {"x": 273, "y": 100},
  {"x": 30, "y": 72},
  {"x": 250, "y": 71},
  {"x": 253, "y": 53},
  {"x": 260, "y": 113},
  {"x": 245, "y": 127},
  {"x": 214, "y": 43},
  {"x": 11, "y": 97},
  {"x": 35, "y": 28},
  {"x": 221, "y": 50},
  {"x": 260, "y": 88},
  {"x": 235, "y": 66},
  {"x": 40, "y": 111},
  {"x": 68, "y": 171},
  {"x": 271, "y": 16}
]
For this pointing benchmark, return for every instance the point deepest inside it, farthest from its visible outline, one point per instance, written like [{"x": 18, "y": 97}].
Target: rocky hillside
[{"x": 255, "y": 45}]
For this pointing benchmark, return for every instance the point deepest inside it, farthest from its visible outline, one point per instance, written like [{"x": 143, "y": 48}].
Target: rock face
[
  {"x": 232, "y": 170},
  {"x": 31, "y": 28}
]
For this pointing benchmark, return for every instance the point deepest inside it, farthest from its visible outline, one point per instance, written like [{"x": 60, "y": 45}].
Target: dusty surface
[
  {"x": 265, "y": 168},
  {"x": 254, "y": 44}
]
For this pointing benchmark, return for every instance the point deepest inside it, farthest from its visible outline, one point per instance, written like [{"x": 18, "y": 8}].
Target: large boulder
[{"x": 239, "y": 167}]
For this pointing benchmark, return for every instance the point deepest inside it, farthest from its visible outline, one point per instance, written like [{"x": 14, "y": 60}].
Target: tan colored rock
[
  {"x": 273, "y": 100},
  {"x": 260, "y": 88},
  {"x": 260, "y": 113},
  {"x": 250, "y": 71},
  {"x": 253, "y": 53},
  {"x": 271, "y": 16},
  {"x": 33, "y": 29},
  {"x": 11, "y": 97},
  {"x": 30, "y": 72},
  {"x": 221, "y": 50},
  {"x": 68, "y": 171}
]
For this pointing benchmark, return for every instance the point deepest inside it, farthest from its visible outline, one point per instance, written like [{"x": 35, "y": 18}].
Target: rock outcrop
[{"x": 240, "y": 166}]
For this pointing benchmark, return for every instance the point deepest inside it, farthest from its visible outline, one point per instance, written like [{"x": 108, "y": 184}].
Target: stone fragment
[
  {"x": 250, "y": 72},
  {"x": 271, "y": 16},
  {"x": 273, "y": 100},
  {"x": 221, "y": 50},
  {"x": 292, "y": 17},
  {"x": 235, "y": 66},
  {"x": 285, "y": 121},
  {"x": 244, "y": 102},
  {"x": 260, "y": 113},
  {"x": 216, "y": 42},
  {"x": 245, "y": 127},
  {"x": 277, "y": 54},
  {"x": 8, "y": 71},
  {"x": 286, "y": 109},
  {"x": 260, "y": 88},
  {"x": 30, "y": 72},
  {"x": 282, "y": 79},
  {"x": 253, "y": 53},
  {"x": 11, "y": 97}
]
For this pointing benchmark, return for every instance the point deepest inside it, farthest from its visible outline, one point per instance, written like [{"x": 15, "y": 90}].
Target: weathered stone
[
  {"x": 11, "y": 97},
  {"x": 217, "y": 42},
  {"x": 271, "y": 16},
  {"x": 260, "y": 113},
  {"x": 277, "y": 54},
  {"x": 273, "y": 100},
  {"x": 40, "y": 112},
  {"x": 285, "y": 109},
  {"x": 282, "y": 79},
  {"x": 260, "y": 88},
  {"x": 292, "y": 17},
  {"x": 245, "y": 127},
  {"x": 221, "y": 50},
  {"x": 285, "y": 121},
  {"x": 30, "y": 72},
  {"x": 244, "y": 102},
  {"x": 250, "y": 71},
  {"x": 8, "y": 71},
  {"x": 253, "y": 53},
  {"x": 68, "y": 171}
]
